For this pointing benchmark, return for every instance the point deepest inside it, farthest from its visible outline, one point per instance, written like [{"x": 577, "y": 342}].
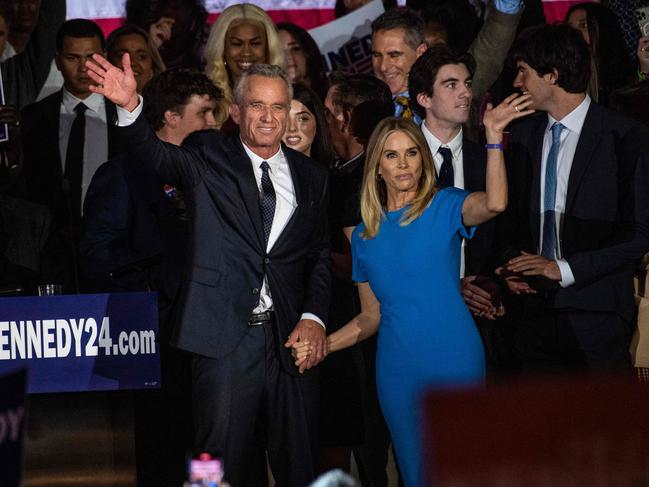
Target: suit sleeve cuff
[
  {"x": 126, "y": 118},
  {"x": 567, "y": 277},
  {"x": 311, "y": 316}
]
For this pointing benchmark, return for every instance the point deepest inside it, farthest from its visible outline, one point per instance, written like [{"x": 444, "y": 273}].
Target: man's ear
[
  {"x": 421, "y": 48},
  {"x": 346, "y": 122},
  {"x": 235, "y": 113},
  {"x": 171, "y": 118},
  {"x": 423, "y": 99},
  {"x": 554, "y": 76}
]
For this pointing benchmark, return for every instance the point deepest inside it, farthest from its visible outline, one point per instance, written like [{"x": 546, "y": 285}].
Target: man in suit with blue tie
[
  {"x": 258, "y": 277},
  {"x": 578, "y": 219}
]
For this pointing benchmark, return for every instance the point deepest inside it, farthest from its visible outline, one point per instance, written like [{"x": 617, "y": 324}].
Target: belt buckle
[{"x": 260, "y": 318}]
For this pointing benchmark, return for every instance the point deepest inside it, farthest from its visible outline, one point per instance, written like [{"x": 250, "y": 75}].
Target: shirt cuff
[
  {"x": 311, "y": 316},
  {"x": 126, "y": 118},
  {"x": 508, "y": 6},
  {"x": 567, "y": 277}
]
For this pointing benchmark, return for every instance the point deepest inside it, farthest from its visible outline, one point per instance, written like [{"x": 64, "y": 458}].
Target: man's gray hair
[{"x": 265, "y": 70}]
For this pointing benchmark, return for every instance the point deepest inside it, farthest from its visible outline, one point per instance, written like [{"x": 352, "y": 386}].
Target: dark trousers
[
  {"x": 245, "y": 404},
  {"x": 558, "y": 341}
]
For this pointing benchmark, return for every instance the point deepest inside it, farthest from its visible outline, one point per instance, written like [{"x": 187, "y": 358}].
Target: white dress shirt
[
  {"x": 573, "y": 123},
  {"x": 285, "y": 201},
  {"x": 95, "y": 150},
  {"x": 455, "y": 145}
]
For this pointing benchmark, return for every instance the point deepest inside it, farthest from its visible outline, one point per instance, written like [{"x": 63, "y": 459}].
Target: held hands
[
  {"x": 309, "y": 344},
  {"x": 497, "y": 118},
  {"x": 478, "y": 300},
  {"x": 113, "y": 83}
]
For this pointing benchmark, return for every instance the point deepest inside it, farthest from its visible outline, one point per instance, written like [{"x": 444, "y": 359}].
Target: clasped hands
[
  {"x": 525, "y": 265},
  {"x": 308, "y": 343}
]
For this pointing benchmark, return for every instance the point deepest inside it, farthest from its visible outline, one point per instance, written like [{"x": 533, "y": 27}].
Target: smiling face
[
  {"x": 263, "y": 114},
  {"x": 400, "y": 167},
  {"x": 71, "y": 61},
  {"x": 295, "y": 58},
  {"x": 301, "y": 128},
  {"x": 451, "y": 99},
  {"x": 141, "y": 60},
  {"x": 392, "y": 58},
  {"x": 245, "y": 45}
]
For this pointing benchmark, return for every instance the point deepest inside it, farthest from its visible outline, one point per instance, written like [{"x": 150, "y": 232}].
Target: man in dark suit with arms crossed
[
  {"x": 578, "y": 219},
  {"x": 259, "y": 264}
]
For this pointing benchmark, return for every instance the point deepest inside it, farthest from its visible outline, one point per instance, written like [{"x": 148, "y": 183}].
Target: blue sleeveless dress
[{"x": 427, "y": 337}]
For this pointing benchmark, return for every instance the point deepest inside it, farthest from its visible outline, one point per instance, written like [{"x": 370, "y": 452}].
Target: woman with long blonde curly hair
[{"x": 242, "y": 35}]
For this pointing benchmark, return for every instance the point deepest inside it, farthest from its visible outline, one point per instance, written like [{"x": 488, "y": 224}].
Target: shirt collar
[
  {"x": 574, "y": 121},
  {"x": 403, "y": 93},
  {"x": 273, "y": 161},
  {"x": 94, "y": 102},
  {"x": 455, "y": 144}
]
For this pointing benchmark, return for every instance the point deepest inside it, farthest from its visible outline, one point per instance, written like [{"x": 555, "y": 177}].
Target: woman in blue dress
[{"x": 406, "y": 257}]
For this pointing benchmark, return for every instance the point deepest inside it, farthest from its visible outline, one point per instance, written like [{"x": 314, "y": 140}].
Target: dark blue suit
[
  {"x": 227, "y": 265},
  {"x": 603, "y": 233}
]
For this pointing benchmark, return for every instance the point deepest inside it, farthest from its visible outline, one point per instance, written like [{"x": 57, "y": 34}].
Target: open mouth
[
  {"x": 244, "y": 65},
  {"x": 293, "y": 140}
]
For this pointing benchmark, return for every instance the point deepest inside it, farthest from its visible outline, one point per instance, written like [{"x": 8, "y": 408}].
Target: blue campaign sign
[
  {"x": 12, "y": 427},
  {"x": 82, "y": 342}
]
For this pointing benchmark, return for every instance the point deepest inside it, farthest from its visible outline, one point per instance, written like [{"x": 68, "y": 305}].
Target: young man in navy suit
[
  {"x": 441, "y": 82},
  {"x": 258, "y": 277},
  {"x": 578, "y": 218}
]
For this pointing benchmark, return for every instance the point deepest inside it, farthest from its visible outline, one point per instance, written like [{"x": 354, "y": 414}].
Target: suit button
[
  {"x": 266, "y": 260},
  {"x": 255, "y": 290}
]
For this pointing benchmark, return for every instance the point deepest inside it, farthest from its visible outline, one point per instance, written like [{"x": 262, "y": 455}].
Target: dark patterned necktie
[
  {"x": 446, "y": 171},
  {"x": 74, "y": 160},
  {"x": 266, "y": 200}
]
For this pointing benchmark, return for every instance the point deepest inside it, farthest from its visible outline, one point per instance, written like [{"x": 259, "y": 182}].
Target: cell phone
[
  {"x": 642, "y": 16},
  {"x": 205, "y": 470}
]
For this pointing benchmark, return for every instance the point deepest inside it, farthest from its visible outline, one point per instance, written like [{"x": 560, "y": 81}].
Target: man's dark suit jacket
[
  {"x": 605, "y": 228},
  {"x": 43, "y": 175},
  {"x": 128, "y": 219},
  {"x": 228, "y": 259},
  {"x": 479, "y": 252}
]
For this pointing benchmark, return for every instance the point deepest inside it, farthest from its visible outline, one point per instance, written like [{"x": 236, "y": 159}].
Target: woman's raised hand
[
  {"x": 118, "y": 86},
  {"x": 514, "y": 106}
]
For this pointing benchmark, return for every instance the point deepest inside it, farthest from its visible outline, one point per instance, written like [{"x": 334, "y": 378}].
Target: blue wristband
[{"x": 494, "y": 146}]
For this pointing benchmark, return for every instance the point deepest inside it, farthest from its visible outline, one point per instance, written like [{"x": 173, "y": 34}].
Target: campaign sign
[
  {"x": 346, "y": 43},
  {"x": 82, "y": 342},
  {"x": 12, "y": 421}
]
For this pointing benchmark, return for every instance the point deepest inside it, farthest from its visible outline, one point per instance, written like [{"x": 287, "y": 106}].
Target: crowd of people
[{"x": 328, "y": 246}]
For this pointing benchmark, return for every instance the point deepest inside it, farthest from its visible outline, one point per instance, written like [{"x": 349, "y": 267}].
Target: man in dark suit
[
  {"x": 578, "y": 219},
  {"x": 441, "y": 82},
  {"x": 66, "y": 137},
  {"x": 259, "y": 265}
]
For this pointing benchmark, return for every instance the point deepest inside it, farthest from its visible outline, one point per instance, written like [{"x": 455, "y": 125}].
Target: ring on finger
[
  {"x": 517, "y": 108},
  {"x": 644, "y": 49}
]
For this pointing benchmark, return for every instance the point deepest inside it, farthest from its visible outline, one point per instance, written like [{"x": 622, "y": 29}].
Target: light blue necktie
[{"x": 549, "y": 245}]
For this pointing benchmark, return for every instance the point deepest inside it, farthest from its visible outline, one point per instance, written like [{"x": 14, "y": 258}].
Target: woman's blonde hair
[
  {"x": 215, "y": 67},
  {"x": 373, "y": 190}
]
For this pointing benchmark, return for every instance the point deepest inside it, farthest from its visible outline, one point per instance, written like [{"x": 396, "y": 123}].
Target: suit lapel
[
  {"x": 299, "y": 177},
  {"x": 536, "y": 153},
  {"x": 111, "y": 127},
  {"x": 474, "y": 168},
  {"x": 51, "y": 132},
  {"x": 242, "y": 167},
  {"x": 588, "y": 143}
]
